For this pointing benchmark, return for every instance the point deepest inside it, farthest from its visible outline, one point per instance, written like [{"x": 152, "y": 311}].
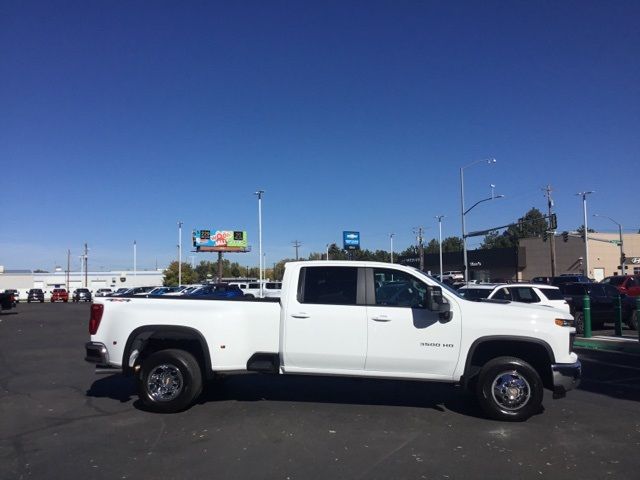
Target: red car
[
  {"x": 627, "y": 284},
  {"x": 59, "y": 295}
]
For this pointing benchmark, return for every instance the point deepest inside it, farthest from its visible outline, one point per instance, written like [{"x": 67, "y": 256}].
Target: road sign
[
  {"x": 351, "y": 240},
  {"x": 615, "y": 242}
]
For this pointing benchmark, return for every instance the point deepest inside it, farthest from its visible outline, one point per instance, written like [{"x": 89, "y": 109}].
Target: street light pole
[
  {"x": 622, "y": 259},
  {"x": 328, "y": 252},
  {"x": 391, "y": 235},
  {"x": 586, "y": 230},
  {"x": 135, "y": 259},
  {"x": 439, "y": 218},
  {"x": 179, "y": 253},
  {"x": 260, "y": 193},
  {"x": 462, "y": 213}
]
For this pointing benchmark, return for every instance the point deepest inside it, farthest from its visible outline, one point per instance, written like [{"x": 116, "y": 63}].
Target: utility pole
[
  {"x": 419, "y": 231},
  {"x": 68, "y": 268},
  {"x": 296, "y": 245},
  {"x": 135, "y": 259},
  {"x": 586, "y": 231},
  {"x": 439, "y": 218},
  {"x": 86, "y": 265},
  {"x": 180, "y": 253},
  {"x": 552, "y": 242},
  {"x": 391, "y": 235}
]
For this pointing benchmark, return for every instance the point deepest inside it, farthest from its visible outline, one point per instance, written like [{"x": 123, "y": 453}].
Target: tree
[
  {"x": 452, "y": 244},
  {"x": 433, "y": 246},
  {"x": 580, "y": 230},
  {"x": 171, "y": 274},
  {"x": 532, "y": 224}
]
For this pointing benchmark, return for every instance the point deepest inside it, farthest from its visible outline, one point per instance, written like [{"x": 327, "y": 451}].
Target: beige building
[{"x": 604, "y": 256}]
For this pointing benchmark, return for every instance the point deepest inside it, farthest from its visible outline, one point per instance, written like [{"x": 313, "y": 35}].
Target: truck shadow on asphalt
[{"x": 317, "y": 389}]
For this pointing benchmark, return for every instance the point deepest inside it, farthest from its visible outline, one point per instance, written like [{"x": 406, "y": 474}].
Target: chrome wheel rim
[
  {"x": 511, "y": 390},
  {"x": 165, "y": 382}
]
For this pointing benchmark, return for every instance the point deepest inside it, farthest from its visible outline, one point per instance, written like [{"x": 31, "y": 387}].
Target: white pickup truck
[{"x": 363, "y": 319}]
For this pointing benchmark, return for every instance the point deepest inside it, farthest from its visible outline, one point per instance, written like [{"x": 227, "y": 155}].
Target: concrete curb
[{"x": 611, "y": 344}]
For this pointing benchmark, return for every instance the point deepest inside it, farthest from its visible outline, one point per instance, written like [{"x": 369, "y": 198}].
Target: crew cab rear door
[{"x": 326, "y": 322}]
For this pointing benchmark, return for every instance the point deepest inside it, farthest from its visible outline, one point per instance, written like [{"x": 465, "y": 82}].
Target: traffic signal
[
  {"x": 565, "y": 236},
  {"x": 545, "y": 236}
]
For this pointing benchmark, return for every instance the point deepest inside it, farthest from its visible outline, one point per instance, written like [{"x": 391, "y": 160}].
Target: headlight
[{"x": 564, "y": 322}]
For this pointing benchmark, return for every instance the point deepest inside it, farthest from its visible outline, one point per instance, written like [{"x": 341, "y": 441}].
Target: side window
[
  {"x": 525, "y": 295},
  {"x": 502, "y": 294},
  {"x": 328, "y": 285},
  {"x": 552, "y": 293},
  {"x": 611, "y": 291},
  {"x": 398, "y": 289}
]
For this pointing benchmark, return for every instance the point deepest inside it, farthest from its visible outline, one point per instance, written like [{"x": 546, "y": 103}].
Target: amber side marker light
[{"x": 563, "y": 322}]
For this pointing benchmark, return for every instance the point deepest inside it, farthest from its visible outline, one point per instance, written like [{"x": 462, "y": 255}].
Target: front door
[
  {"x": 403, "y": 334},
  {"x": 326, "y": 323}
]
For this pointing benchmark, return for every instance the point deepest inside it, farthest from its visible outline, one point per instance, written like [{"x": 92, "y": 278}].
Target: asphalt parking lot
[{"x": 59, "y": 420}]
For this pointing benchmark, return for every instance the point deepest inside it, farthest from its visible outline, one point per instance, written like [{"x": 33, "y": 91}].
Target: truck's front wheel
[
  {"x": 509, "y": 389},
  {"x": 170, "y": 381}
]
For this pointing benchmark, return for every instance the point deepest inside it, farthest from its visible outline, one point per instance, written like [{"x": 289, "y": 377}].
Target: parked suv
[
  {"x": 567, "y": 278},
  {"x": 627, "y": 284},
  {"x": 535, "y": 294},
  {"x": 35, "y": 295},
  {"x": 81, "y": 295},
  {"x": 103, "y": 292},
  {"x": 59, "y": 295},
  {"x": 15, "y": 294},
  {"x": 602, "y": 303}
]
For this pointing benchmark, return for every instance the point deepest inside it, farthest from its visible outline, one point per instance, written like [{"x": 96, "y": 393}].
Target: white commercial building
[{"x": 23, "y": 280}]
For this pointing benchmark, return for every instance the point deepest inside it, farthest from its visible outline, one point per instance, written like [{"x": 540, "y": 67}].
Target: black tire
[
  {"x": 248, "y": 295},
  {"x": 176, "y": 366},
  {"x": 28, "y": 301},
  {"x": 515, "y": 374},
  {"x": 579, "y": 319}
]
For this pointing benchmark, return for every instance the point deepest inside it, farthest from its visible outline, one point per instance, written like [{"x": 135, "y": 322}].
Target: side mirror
[{"x": 437, "y": 303}]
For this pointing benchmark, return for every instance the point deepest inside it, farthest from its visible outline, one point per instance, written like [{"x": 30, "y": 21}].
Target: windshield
[
  {"x": 444, "y": 286},
  {"x": 474, "y": 293}
]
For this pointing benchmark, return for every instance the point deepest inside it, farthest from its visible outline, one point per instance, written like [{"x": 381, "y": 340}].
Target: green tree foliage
[
  {"x": 580, "y": 229},
  {"x": 171, "y": 274},
  {"x": 452, "y": 244},
  {"x": 532, "y": 224}
]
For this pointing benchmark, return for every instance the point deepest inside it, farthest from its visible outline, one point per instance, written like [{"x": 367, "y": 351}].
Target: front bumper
[
  {"x": 566, "y": 376},
  {"x": 97, "y": 353}
]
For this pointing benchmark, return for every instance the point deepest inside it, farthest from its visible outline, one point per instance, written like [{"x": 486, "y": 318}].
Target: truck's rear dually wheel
[{"x": 170, "y": 381}]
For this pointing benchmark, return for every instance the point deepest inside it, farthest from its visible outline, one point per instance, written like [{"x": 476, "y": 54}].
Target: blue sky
[{"x": 117, "y": 119}]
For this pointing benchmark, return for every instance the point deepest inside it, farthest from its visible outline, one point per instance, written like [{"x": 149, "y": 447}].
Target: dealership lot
[{"x": 58, "y": 419}]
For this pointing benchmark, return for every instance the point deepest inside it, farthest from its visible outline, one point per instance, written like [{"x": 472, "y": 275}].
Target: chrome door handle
[
  {"x": 381, "y": 318},
  {"x": 300, "y": 315}
]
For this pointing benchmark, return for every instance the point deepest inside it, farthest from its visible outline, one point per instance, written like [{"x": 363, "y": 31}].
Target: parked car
[
  {"x": 118, "y": 292},
  {"x": 15, "y": 295},
  {"x": 35, "y": 295},
  {"x": 59, "y": 295},
  {"x": 453, "y": 276},
  {"x": 182, "y": 290},
  {"x": 7, "y": 301},
  {"x": 81, "y": 295},
  {"x": 217, "y": 291},
  {"x": 546, "y": 280},
  {"x": 627, "y": 284},
  {"x": 602, "y": 303},
  {"x": 536, "y": 294},
  {"x": 569, "y": 278},
  {"x": 103, "y": 292}
]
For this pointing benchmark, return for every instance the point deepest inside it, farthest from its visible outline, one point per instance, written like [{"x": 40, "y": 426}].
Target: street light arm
[
  {"x": 484, "y": 160},
  {"x": 483, "y": 200}
]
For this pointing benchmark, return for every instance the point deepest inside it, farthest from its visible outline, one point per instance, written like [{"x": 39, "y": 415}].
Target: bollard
[
  {"x": 586, "y": 316},
  {"x": 617, "y": 310}
]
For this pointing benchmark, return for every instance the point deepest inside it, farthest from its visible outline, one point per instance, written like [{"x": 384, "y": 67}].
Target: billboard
[{"x": 220, "y": 241}]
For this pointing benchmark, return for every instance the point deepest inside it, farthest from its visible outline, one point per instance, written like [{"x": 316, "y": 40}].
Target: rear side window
[
  {"x": 502, "y": 294},
  {"x": 524, "y": 294},
  {"x": 573, "y": 289},
  {"x": 552, "y": 293},
  {"x": 328, "y": 285},
  {"x": 474, "y": 293}
]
